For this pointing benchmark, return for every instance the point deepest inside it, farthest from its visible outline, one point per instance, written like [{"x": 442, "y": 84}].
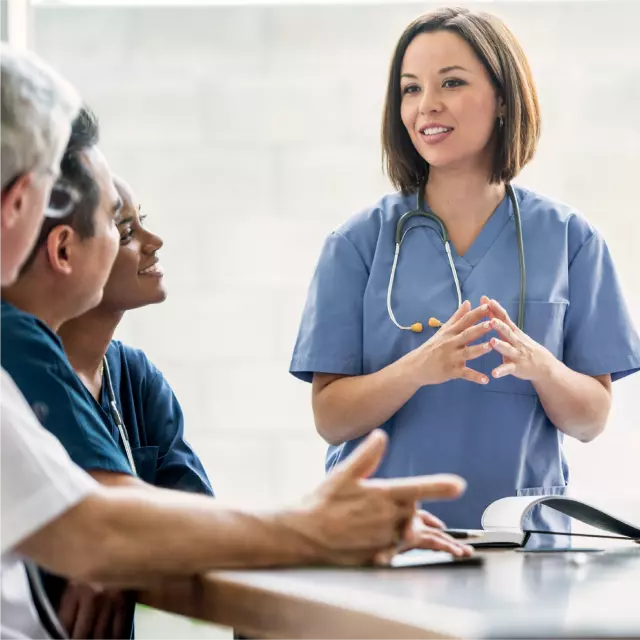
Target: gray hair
[{"x": 38, "y": 106}]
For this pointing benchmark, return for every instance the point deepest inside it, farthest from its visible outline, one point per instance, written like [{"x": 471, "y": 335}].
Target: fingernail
[
  {"x": 484, "y": 307},
  {"x": 484, "y": 380},
  {"x": 496, "y": 374},
  {"x": 487, "y": 325},
  {"x": 485, "y": 346}
]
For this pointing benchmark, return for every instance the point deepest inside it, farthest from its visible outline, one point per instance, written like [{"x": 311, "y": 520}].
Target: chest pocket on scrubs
[
  {"x": 544, "y": 322},
  {"x": 146, "y": 461}
]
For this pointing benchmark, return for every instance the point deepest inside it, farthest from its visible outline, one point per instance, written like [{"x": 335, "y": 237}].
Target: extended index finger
[
  {"x": 363, "y": 461},
  {"x": 443, "y": 486}
]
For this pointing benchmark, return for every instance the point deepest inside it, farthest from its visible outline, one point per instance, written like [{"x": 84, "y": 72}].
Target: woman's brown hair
[{"x": 507, "y": 66}]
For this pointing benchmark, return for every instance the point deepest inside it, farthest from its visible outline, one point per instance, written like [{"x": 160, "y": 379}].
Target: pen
[{"x": 461, "y": 534}]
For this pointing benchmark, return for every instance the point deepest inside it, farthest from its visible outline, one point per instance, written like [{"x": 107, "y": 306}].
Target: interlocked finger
[
  {"x": 505, "y": 331},
  {"x": 505, "y": 349},
  {"x": 501, "y": 314},
  {"x": 471, "y": 352},
  {"x": 473, "y": 333},
  {"x": 471, "y": 318},
  {"x": 473, "y": 376}
]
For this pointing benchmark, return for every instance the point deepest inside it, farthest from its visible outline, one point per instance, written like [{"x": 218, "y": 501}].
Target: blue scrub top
[
  {"x": 34, "y": 357},
  {"x": 154, "y": 421},
  {"x": 497, "y": 436}
]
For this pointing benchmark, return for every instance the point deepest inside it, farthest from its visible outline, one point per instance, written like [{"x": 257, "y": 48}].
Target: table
[{"x": 512, "y": 594}]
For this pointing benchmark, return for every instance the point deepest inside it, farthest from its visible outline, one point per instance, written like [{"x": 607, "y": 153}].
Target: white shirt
[{"x": 39, "y": 483}]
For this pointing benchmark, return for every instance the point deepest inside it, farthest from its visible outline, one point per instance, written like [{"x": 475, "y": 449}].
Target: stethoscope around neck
[
  {"x": 115, "y": 414},
  {"x": 441, "y": 229}
]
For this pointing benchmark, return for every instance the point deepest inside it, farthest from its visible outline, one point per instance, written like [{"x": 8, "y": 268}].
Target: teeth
[
  {"x": 432, "y": 131},
  {"x": 154, "y": 268}
]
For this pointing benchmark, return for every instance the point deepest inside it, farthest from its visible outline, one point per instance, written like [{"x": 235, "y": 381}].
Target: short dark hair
[
  {"x": 507, "y": 66},
  {"x": 85, "y": 134}
]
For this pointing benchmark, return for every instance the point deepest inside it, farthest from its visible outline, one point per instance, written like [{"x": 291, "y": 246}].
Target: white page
[{"x": 507, "y": 513}]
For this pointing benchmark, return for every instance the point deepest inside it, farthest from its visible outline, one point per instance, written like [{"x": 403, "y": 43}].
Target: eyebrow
[
  {"x": 116, "y": 209},
  {"x": 125, "y": 221},
  {"x": 453, "y": 67}
]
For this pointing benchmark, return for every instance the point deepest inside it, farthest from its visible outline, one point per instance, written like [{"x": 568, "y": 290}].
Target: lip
[
  {"x": 154, "y": 269},
  {"x": 434, "y": 138}
]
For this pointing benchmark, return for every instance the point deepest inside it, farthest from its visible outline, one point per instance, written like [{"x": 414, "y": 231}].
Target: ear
[
  {"x": 501, "y": 106},
  {"x": 60, "y": 249},
  {"x": 15, "y": 201}
]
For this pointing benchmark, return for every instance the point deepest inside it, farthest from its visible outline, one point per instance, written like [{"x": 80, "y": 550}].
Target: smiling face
[
  {"x": 449, "y": 105},
  {"x": 136, "y": 279}
]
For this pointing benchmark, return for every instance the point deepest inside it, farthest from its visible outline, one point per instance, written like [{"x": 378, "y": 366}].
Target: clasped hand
[{"x": 445, "y": 355}]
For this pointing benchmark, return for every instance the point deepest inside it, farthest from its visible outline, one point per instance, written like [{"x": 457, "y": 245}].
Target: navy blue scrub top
[
  {"x": 154, "y": 421},
  {"x": 34, "y": 357}
]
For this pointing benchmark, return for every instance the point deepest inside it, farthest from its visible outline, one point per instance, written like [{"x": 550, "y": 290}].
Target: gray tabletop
[{"x": 511, "y": 594}]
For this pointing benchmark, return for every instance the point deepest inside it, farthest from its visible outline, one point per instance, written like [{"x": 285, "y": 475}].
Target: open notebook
[
  {"x": 504, "y": 526},
  {"x": 504, "y": 521}
]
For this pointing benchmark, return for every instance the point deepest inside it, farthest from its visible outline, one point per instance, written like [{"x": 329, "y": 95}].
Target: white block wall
[{"x": 248, "y": 133}]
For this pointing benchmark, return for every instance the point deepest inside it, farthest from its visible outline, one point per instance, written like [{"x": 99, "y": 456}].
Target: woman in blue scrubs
[
  {"x": 146, "y": 403},
  {"x": 425, "y": 343}
]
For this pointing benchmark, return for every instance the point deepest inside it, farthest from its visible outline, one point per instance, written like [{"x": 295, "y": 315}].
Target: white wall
[
  {"x": 3, "y": 20},
  {"x": 249, "y": 132}
]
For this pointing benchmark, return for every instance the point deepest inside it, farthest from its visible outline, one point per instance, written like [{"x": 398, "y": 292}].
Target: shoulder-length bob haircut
[{"x": 507, "y": 66}]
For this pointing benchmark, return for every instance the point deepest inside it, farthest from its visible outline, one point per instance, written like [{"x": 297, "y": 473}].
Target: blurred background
[{"x": 249, "y": 130}]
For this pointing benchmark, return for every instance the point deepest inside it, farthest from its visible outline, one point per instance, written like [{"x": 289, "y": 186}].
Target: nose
[
  {"x": 430, "y": 102},
  {"x": 152, "y": 243}
]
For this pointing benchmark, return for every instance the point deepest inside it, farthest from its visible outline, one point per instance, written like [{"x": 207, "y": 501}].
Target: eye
[
  {"x": 452, "y": 83},
  {"x": 126, "y": 236},
  {"x": 410, "y": 88}
]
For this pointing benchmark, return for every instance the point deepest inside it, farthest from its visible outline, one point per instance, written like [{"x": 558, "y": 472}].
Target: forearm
[
  {"x": 126, "y": 537},
  {"x": 352, "y": 406},
  {"x": 576, "y": 404}
]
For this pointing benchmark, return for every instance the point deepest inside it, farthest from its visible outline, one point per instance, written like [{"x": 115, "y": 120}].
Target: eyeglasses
[{"x": 64, "y": 197}]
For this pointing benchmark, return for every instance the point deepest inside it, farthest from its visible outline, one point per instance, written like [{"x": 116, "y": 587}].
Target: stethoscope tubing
[{"x": 421, "y": 211}]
